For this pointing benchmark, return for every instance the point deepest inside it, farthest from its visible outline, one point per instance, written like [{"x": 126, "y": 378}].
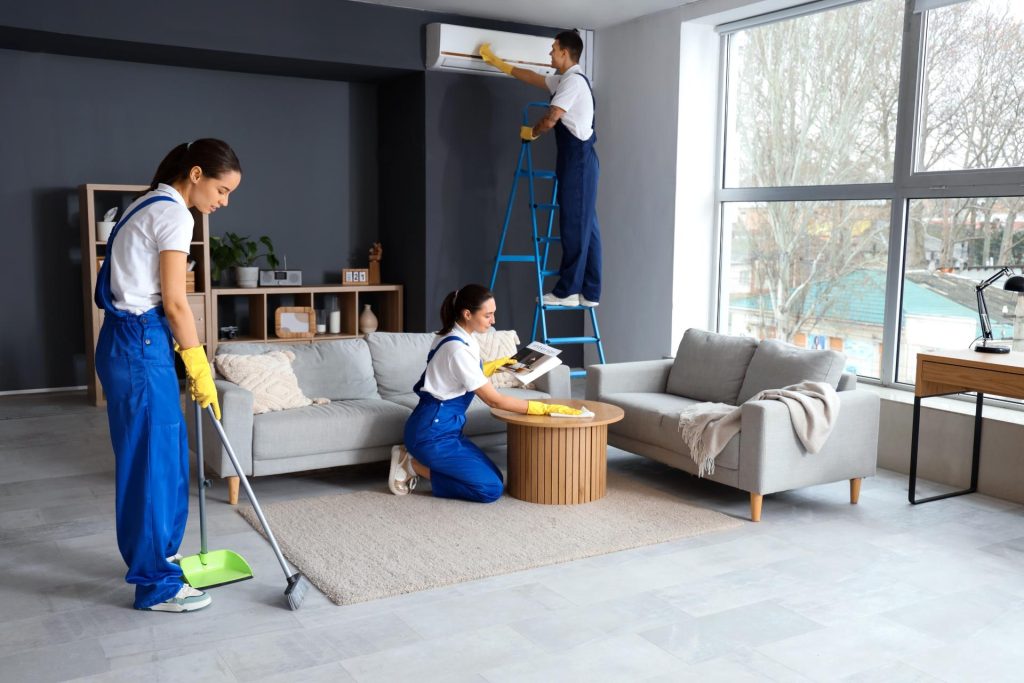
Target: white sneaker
[
  {"x": 551, "y": 300},
  {"x": 402, "y": 477},
  {"x": 587, "y": 302},
  {"x": 188, "y": 599}
]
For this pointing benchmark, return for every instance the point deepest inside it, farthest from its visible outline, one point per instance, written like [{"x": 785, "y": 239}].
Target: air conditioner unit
[{"x": 457, "y": 48}]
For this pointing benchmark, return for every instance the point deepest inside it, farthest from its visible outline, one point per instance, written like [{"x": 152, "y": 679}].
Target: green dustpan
[{"x": 216, "y": 567}]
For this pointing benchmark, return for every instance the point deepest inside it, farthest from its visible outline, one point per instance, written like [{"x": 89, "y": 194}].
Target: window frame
[{"x": 907, "y": 184}]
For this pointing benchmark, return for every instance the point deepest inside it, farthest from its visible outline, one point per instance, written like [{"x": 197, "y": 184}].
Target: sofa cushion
[
  {"x": 653, "y": 418},
  {"x": 338, "y": 369},
  {"x": 777, "y": 364},
  {"x": 710, "y": 367},
  {"x": 398, "y": 359},
  {"x": 268, "y": 376},
  {"x": 497, "y": 344},
  {"x": 337, "y": 426}
]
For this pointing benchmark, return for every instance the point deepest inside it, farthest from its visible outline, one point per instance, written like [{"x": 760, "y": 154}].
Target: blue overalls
[
  {"x": 135, "y": 363},
  {"x": 577, "y": 168},
  {"x": 433, "y": 435}
]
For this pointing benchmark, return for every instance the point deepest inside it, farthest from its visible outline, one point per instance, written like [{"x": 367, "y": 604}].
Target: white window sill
[{"x": 992, "y": 410}]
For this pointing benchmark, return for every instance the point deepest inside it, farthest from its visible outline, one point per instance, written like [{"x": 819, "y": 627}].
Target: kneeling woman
[{"x": 435, "y": 447}]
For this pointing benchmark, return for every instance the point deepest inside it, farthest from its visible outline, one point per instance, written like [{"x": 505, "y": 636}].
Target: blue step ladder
[{"x": 539, "y": 257}]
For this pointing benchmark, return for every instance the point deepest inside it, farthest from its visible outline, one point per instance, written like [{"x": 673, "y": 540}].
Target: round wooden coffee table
[{"x": 558, "y": 460}]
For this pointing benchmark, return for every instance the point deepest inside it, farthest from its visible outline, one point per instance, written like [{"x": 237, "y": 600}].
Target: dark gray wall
[
  {"x": 475, "y": 123},
  {"x": 329, "y": 165},
  {"x": 308, "y": 154}
]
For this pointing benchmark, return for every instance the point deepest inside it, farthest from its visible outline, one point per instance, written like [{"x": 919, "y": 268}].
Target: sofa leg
[
  {"x": 233, "y": 483},
  {"x": 854, "y": 490},
  {"x": 755, "y": 507}
]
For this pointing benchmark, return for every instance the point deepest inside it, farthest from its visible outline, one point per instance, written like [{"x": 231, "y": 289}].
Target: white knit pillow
[
  {"x": 498, "y": 344},
  {"x": 270, "y": 378}
]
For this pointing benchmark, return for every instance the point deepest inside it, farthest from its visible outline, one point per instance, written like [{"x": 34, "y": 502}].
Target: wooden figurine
[{"x": 376, "y": 251}]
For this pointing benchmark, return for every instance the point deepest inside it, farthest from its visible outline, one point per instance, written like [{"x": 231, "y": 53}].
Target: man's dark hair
[{"x": 571, "y": 41}]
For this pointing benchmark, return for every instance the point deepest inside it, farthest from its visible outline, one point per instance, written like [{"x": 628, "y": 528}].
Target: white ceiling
[{"x": 581, "y": 14}]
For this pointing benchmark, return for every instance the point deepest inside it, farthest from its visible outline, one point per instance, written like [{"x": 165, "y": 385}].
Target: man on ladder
[{"x": 571, "y": 114}]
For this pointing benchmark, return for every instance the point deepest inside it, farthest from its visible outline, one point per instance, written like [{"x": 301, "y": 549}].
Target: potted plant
[{"x": 241, "y": 253}]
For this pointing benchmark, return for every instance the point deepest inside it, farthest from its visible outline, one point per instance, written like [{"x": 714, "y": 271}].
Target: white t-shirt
[
  {"x": 571, "y": 93},
  {"x": 135, "y": 258},
  {"x": 455, "y": 368}
]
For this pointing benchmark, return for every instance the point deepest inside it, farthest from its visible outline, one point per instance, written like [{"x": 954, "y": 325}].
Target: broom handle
[
  {"x": 201, "y": 474},
  {"x": 248, "y": 491}
]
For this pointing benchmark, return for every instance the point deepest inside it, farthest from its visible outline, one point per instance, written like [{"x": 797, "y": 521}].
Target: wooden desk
[
  {"x": 954, "y": 372},
  {"x": 559, "y": 460}
]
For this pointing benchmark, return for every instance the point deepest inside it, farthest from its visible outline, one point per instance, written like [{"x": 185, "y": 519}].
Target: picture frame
[
  {"x": 295, "y": 322},
  {"x": 355, "y": 276}
]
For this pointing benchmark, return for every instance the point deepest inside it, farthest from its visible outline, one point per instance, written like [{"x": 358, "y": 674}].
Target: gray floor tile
[
  {"x": 614, "y": 658},
  {"x": 820, "y": 590}
]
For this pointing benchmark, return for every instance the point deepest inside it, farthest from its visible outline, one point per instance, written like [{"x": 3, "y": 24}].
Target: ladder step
[
  {"x": 548, "y": 273},
  {"x": 537, "y": 174},
  {"x": 515, "y": 258},
  {"x": 549, "y": 307},
  {"x": 577, "y": 372},
  {"x": 549, "y": 207},
  {"x": 572, "y": 340},
  {"x": 553, "y": 238}
]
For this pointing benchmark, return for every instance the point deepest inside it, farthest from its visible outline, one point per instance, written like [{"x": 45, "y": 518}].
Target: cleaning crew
[
  {"x": 141, "y": 288},
  {"x": 571, "y": 114},
  {"x": 435, "y": 447}
]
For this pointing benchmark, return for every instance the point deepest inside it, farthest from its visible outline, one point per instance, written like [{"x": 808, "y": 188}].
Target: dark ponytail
[
  {"x": 214, "y": 157},
  {"x": 469, "y": 298}
]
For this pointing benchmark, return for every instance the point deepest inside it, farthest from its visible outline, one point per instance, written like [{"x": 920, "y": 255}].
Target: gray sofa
[
  {"x": 766, "y": 456},
  {"x": 370, "y": 386}
]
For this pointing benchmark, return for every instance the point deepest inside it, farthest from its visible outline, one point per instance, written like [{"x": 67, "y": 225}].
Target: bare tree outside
[{"x": 812, "y": 101}]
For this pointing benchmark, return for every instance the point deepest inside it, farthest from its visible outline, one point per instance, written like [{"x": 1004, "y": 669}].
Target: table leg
[
  {"x": 913, "y": 448},
  {"x": 977, "y": 444},
  {"x": 975, "y": 459}
]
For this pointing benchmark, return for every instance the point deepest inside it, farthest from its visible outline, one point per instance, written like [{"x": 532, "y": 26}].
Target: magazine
[{"x": 532, "y": 361}]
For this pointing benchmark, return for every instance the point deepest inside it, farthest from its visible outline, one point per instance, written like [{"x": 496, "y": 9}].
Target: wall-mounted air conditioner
[{"x": 457, "y": 48}]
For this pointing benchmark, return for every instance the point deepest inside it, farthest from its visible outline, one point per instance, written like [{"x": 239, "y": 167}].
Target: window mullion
[{"x": 903, "y": 164}]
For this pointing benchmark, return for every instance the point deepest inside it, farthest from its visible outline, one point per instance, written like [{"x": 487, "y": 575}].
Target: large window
[{"x": 871, "y": 177}]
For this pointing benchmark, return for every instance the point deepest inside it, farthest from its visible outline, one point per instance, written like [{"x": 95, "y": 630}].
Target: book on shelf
[{"x": 532, "y": 361}]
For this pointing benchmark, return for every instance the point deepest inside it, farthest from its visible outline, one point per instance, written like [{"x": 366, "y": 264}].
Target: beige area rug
[{"x": 363, "y": 546}]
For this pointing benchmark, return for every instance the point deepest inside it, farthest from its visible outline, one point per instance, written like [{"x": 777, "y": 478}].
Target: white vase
[
  {"x": 367, "y": 320},
  {"x": 247, "y": 276}
]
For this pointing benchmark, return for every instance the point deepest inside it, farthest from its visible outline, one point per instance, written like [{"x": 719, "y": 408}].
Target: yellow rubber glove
[
  {"x": 538, "y": 408},
  {"x": 494, "y": 60},
  {"x": 491, "y": 366},
  {"x": 526, "y": 134},
  {"x": 200, "y": 381}
]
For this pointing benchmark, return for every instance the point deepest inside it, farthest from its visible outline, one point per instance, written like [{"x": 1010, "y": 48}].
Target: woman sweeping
[
  {"x": 435, "y": 447},
  {"x": 141, "y": 288}
]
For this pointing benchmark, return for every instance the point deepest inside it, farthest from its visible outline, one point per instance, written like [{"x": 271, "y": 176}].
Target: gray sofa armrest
[
  {"x": 773, "y": 459},
  {"x": 555, "y": 383},
  {"x": 847, "y": 382},
  {"x": 236, "y": 406},
  {"x": 649, "y": 376}
]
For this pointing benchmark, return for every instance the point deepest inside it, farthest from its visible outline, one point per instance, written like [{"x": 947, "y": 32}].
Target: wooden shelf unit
[
  {"x": 94, "y": 199},
  {"x": 259, "y": 304}
]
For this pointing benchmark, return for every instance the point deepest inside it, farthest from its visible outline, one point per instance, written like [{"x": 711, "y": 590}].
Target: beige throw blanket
[{"x": 707, "y": 427}]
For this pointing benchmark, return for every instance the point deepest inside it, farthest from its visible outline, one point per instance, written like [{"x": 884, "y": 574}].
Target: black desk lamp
[{"x": 1015, "y": 283}]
